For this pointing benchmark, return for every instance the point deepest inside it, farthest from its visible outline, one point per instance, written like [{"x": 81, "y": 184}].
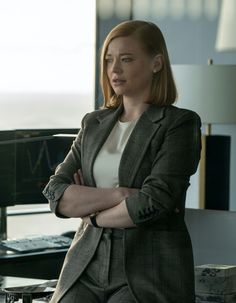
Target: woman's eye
[
  {"x": 127, "y": 59},
  {"x": 108, "y": 60}
]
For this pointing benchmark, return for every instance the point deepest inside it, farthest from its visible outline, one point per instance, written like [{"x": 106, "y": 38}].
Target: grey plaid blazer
[{"x": 161, "y": 154}]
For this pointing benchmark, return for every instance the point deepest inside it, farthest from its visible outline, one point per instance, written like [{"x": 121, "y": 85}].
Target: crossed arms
[{"x": 81, "y": 201}]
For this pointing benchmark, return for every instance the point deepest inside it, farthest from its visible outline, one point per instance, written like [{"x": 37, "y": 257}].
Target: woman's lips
[{"x": 118, "y": 82}]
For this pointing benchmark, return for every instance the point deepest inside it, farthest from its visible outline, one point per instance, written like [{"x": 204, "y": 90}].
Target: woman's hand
[{"x": 78, "y": 178}]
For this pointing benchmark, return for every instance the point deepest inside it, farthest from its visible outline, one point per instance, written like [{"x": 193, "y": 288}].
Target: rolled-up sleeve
[
  {"x": 165, "y": 188},
  {"x": 64, "y": 172}
]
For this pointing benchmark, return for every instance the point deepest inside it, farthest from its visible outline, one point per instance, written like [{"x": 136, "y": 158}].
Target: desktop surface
[
  {"x": 8, "y": 282},
  {"x": 44, "y": 264}
]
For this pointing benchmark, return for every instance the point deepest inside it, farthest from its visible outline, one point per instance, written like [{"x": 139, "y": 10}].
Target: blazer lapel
[
  {"x": 94, "y": 138},
  {"x": 139, "y": 140}
]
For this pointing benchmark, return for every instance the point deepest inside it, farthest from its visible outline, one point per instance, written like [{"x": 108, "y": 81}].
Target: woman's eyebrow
[
  {"x": 121, "y": 54},
  {"x": 125, "y": 54}
]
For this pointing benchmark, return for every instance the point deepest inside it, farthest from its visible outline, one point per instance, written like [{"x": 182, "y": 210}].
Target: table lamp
[{"x": 210, "y": 91}]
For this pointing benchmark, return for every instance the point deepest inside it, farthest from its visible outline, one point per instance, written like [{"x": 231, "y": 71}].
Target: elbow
[
  {"x": 63, "y": 209},
  {"x": 70, "y": 210}
]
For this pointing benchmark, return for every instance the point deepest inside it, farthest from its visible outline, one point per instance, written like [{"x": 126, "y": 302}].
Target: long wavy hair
[{"x": 163, "y": 89}]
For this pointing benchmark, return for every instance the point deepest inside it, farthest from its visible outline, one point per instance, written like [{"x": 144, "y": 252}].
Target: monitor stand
[{"x": 3, "y": 223}]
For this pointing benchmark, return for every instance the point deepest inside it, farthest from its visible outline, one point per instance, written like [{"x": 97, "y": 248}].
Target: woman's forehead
[{"x": 125, "y": 45}]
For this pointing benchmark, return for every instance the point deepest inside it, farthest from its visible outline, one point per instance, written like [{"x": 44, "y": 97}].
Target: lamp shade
[
  {"x": 209, "y": 90},
  {"x": 226, "y": 37}
]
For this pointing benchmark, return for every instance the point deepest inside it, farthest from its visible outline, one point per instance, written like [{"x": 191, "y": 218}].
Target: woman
[{"x": 126, "y": 176}]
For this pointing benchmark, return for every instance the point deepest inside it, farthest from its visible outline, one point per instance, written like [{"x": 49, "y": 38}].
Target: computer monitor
[{"x": 27, "y": 159}]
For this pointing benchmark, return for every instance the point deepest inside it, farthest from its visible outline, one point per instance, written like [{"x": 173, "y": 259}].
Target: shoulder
[
  {"x": 170, "y": 113},
  {"x": 176, "y": 114}
]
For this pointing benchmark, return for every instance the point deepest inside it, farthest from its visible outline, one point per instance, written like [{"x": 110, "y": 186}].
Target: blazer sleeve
[
  {"x": 165, "y": 188},
  {"x": 64, "y": 172}
]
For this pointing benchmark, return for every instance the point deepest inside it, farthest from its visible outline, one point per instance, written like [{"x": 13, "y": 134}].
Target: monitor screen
[{"x": 27, "y": 159}]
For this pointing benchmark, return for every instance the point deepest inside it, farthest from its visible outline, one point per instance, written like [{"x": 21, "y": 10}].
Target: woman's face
[{"x": 129, "y": 68}]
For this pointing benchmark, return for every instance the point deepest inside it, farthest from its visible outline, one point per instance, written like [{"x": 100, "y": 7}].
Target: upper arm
[{"x": 180, "y": 151}]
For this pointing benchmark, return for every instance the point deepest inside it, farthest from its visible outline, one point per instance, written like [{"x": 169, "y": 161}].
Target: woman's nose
[{"x": 116, "y": 66}]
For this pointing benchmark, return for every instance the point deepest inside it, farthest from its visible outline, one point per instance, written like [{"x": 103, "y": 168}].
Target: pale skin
[{"x": 130, "y": 70}]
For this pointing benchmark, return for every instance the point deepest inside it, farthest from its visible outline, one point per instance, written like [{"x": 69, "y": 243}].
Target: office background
[{"x": 190, "y": 28}]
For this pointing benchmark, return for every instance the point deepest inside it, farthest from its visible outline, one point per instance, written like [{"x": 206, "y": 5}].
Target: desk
[
  {"x": 17, "y": 281},
  {"x": 41, "y": 265}
]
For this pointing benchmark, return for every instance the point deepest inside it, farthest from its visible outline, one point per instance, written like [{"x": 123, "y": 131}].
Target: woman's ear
[{"x": 158, "y": 63}]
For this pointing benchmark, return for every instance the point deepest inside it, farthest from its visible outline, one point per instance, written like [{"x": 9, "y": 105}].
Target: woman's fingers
[
  {"x": 78, "y": 178},
  {"x": 81, "y": 177}
]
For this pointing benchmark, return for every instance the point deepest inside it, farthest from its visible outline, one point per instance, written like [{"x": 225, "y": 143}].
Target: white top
[{"x": 106, "y": 165}]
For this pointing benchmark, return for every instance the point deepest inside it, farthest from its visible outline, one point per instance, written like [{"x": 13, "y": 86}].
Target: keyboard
[{"x": 36, "y": 243}]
